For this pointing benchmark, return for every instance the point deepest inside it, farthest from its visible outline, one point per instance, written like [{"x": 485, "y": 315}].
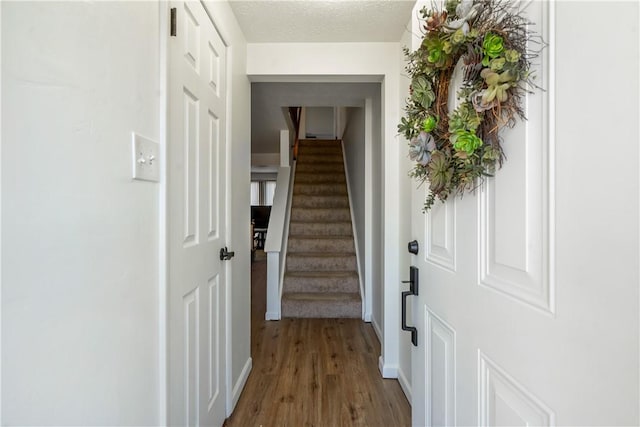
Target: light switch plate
[{"x": 146, "y": 158}]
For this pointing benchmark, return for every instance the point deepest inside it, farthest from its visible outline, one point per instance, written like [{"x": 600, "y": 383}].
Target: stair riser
[
  {"x": 327, "y": 149},
  {"x": 319, "y": 178},
  {"x": 320, "y": 189},
  {"x": 321, "y": 215},
  {"x": 306, "y": 201},
  {"x": 320, "y": 167},
  {"x": 323, "y": 309},
  {"x": 320, "y": 158},
  {"x": 319, "y": 142},
  {"x": 310, "y": 263},
  {"x": 320, "y": 229},
  {"x": 320, "y": 284},
  {"x": 320, "y": 245}
]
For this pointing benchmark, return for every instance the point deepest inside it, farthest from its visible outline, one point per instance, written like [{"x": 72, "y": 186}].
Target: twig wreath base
[{"x": 485, "y": 43}]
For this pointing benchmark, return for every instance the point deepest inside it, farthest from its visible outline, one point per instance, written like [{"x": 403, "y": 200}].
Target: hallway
[{"x": 315, "y": 372}]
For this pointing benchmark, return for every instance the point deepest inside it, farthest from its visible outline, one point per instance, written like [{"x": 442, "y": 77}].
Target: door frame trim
[
  {"x": 1, "y": 224},
  {"x": 163, "y": 206}
]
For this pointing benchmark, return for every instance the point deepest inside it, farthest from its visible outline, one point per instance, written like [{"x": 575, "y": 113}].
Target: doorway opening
[{"x": 351, "y": 112}]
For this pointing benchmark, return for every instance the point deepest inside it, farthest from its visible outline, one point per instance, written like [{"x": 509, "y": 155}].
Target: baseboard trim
[
  {"x": 239, "y": 385},
  {"x": 387, "y": 370},
  {"x": 272, "y": 315},
  {"x": 367, "y": 317},
  {"x": 405, "y": 385},
  {"x": 377, "y": 329}
]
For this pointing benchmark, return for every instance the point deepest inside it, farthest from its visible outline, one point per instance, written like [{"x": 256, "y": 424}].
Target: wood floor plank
[{"x": 315, "y": 372}]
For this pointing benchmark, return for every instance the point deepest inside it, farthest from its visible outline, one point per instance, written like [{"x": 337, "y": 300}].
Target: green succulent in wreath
[
  {"x": 464, "y": 140},
  {"x": 492, "y": 46},
  {"x": 423, "y": 93},
  {"x": 498, "y": 85},
  {"x": 512, "y": 55},
  {"x": 465, "y": 117},
  {"x": 440, "y": 172},
  {"x": 429, "y": 124}
]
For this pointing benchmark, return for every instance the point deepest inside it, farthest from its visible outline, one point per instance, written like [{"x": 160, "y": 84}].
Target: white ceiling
[{"x": 286, "y": 21}]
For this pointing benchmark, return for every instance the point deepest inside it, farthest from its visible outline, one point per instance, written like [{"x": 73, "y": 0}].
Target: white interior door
[
  {"x": 511, "y": 330},
  {"x": 196, "y": 218}
]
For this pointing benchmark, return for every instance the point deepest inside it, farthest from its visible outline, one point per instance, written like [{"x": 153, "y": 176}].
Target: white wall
[
  {"x": 363, "y": 150},
  {"x": 354, "y": 147},
  {"x": 319, "y": 122},
  {"x": 348, "y": 62},
  {"x": 239, "y": 131},
  {"x": 267, "y": 119},
  {"x": 80, "y": 270},
  {"x": 265, "y": 159}
]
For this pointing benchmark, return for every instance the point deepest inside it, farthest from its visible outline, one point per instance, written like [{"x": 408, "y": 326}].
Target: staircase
[{"x": 321, "y": 277}]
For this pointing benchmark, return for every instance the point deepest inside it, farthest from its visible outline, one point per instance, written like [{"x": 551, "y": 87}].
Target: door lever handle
[
  {"x": 225, "y": 255},
  {"x": 413, "y": 290}
]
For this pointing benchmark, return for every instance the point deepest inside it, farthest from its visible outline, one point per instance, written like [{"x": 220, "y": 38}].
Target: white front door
[
  {"x": 196, "y": 218},
  {"x": 511, "y": 329}
]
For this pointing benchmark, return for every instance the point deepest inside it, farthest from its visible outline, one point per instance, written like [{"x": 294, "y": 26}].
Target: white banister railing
[{"x": 277, "y": 238}]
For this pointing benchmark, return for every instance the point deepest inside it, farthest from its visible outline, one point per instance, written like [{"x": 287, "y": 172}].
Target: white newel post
[{"x": 284, "y": 148}]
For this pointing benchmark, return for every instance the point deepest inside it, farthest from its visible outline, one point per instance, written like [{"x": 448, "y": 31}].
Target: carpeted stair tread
[
  {"x": 311, "y": 222},
  {"x": 303, "y": 228},
  {"x": 320, "y": 214},
  {"x": 322, "y": 150},
  {"x": 321, "y": 305},
  {"x": 321, "y": 237},
  {"x": 324, "y": 254},
  {"x": 327, "y": 296},
  {"x": 320, "y": 201},
  {"x": 321, "y": 281},
  {"x": 306, "y": 244},
  {"x": 320, "y": 177},
  {"x": 320, "y": 167},
  {"x": 303, "y": 261},
  {"x": 320, "y": 189},
  {"x": 338, "y": 274},
  {"x": 325, "y": 143},
  {"x": 320, "y": 158},
  {"x": 324, "y": 238}
]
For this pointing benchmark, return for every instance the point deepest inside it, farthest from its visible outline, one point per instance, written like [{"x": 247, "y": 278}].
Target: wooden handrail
[{"x": 294, "y": 113}]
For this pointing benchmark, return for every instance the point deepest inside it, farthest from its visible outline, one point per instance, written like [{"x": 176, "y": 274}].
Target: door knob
[{"x": 225, "y": 255}]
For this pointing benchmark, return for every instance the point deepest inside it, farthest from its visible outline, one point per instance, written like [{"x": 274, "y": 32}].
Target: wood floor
[{"x": 315, "y": 372}]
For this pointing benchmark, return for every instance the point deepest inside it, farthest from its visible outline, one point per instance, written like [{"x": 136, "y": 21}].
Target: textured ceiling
[{"x": 312, "y": 21}]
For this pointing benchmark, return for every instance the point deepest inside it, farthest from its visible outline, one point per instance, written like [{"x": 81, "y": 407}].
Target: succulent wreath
[{"x": 483, "y": 44}]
